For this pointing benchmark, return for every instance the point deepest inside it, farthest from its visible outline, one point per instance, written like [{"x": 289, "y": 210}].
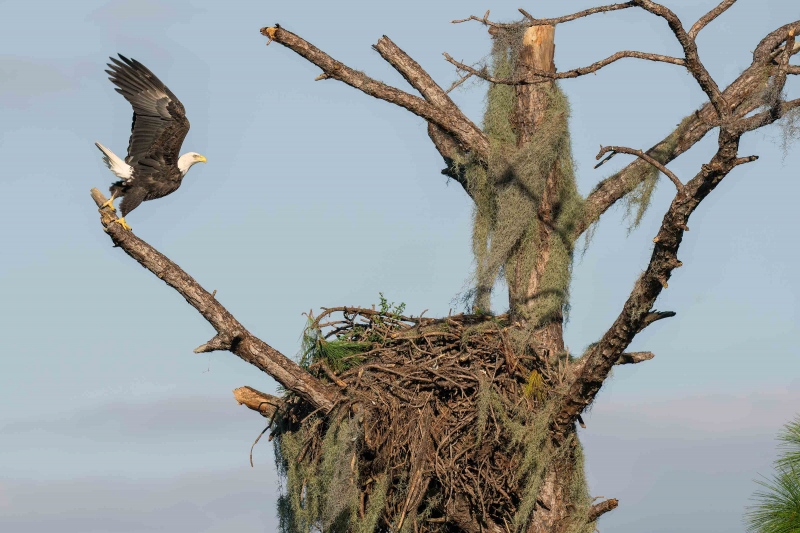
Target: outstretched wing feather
[{"x": 159, "y": 119}]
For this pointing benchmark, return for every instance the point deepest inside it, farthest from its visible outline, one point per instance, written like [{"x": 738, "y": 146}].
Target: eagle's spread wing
[{"x": 159, "y": 120}]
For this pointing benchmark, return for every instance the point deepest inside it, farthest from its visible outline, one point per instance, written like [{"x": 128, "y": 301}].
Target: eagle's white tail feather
[{"x": 119, "y": 167}]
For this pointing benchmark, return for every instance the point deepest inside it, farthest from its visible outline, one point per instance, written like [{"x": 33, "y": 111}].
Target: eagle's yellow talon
[
  {"x": 121, "y": 222},
  {"x": 110, "y": 203}
]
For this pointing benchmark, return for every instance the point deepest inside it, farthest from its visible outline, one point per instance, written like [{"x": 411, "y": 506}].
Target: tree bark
[
  {"x": 231, "y": 334},
  {"x": 537, "y": 55}
]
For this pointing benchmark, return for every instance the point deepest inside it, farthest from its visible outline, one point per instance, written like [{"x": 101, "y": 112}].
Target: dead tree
[{"x": 467, "y": 422}]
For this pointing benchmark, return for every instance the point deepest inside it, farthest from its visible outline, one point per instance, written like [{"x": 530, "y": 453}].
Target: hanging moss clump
[{"x": 508, "y": 232}]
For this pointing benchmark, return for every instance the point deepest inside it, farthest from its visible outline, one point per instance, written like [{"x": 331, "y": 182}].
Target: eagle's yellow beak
[{"x": 201, "y": 158}]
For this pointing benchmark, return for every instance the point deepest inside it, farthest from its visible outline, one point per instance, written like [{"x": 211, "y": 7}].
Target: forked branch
[
  {"x": 231, "y": 334},
  {"x": 468, "y": 135},
  {"x": 531, "y": 21},
  {"x": 743, "y": 96},
  {"x": 540, "y": 76},
  {"x": 708, "y": 17},
  {"x": 693, "y": 63},
  {"x": 636, "y": 312}
]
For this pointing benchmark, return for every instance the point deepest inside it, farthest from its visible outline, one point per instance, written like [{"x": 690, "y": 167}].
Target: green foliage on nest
[{"x": 343, "y": 352}]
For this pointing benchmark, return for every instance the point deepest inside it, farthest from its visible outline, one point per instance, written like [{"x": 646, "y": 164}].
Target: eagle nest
[{"x": 444, "y": 418}]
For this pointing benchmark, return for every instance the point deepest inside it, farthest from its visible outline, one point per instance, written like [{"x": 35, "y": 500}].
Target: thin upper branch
[
  {"x": 465, "y": 132},
  {"x": 532, "y": 21},
  {"x": 231, "y": 334},
  {"x": 580, "y": 14},
  {"x": 638, "y": 153},
  {"x": 540, "y": 76},
  {"x": 693, "y": 63},
  {"x": 708, "y": 17}
]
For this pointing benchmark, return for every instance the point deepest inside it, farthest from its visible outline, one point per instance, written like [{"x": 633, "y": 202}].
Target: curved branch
[
  {"x": 708, "y": 17},
  {"x": 693, "y": 63},
  {"x": 544, "y": 75},
  {"x": 231, "y": 334},
  {"x": 638, "y": 153}
]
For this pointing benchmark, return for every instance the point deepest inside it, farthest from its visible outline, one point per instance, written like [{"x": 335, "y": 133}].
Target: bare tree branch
[
  {"x": 602, "y": 356},
  {"x": 458, "y": 82},
  {"x": 466, "y": 133},
  {"x": 638, "y": 153},
  {"x": 264, "y": 403},
  {"x": 599, "y": 509},
  {"x": 418, "y": 78},
  {"x": 708, "y": 17},
  {"x": 532, "y": 21},
  {"x": 631, "y": 358},
  {"x": 580, "y": 14},
  {"x": 231, "y": 334},
  {"x": 693, "y": 63},
  {"x": 654, "y": 316},
  {"x": 485, "y": 21},
  {"x": 541, "y": 76},
  {"x": 766, "y": 117},
  {"x": 743, "y": 97}
]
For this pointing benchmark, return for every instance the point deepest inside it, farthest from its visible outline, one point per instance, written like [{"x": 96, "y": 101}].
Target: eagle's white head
[{"x": 186, "y": 161}]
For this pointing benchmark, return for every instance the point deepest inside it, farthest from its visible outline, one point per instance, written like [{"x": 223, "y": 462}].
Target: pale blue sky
[{"x": 316, "y": 195}]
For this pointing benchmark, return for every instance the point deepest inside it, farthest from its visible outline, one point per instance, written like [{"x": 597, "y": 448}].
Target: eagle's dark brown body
[{"x": 152, "y": 169}]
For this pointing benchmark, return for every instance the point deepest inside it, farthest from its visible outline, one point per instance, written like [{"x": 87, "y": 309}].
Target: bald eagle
[{"x": 152, "y": 168}]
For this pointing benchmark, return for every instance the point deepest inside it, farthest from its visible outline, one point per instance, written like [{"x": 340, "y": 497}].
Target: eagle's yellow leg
[
  {"x": 121, "y": 222},
  {"x": 110, "y": 203}
]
